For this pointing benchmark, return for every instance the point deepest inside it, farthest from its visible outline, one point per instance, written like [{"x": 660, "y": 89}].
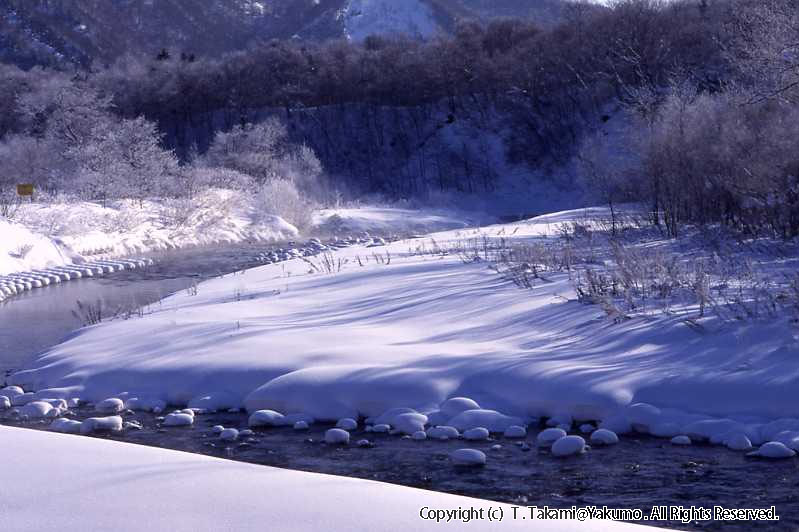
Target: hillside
[{"x": 35, "y": 32}]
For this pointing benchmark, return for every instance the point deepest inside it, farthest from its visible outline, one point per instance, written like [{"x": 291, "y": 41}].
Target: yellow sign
[{"x": 25, "y": 189}]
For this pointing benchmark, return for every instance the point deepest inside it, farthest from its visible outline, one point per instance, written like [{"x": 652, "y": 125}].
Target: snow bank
[
  {"x": 21, "y": 249},
  {"x": 202, "y": 494},
  {"x": 418, "y": 331}
]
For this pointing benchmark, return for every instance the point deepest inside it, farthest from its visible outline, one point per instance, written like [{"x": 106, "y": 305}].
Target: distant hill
[{"x": 34, "y": 32}]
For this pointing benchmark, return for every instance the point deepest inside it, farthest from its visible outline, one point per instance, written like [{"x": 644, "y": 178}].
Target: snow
[
  {"x": 515, "y": 431},
  {"x": 37, "y": 410},
  {"x": 347, "y": 424},
  {"x": 681, "y": 440},
  {"x": 491, "y": 419},
  {"x": 129, "y": 488},
  {"x": 337, "y": 436},
  {"x": 407, "y": 423},
  {"x": 468, "y": 457},
  {"x": 266, "y": 418},
  {"x": 419, "y": 436},
  {"x": 374, "y": 17},
  {"x": 454, "y": 406},
  {"x": 301, "y": 425},
  {"x": 476, "y": 434},
  {"x": 229, "y": 435},
  {"x": 423, "y": 330},
  {"x": 101, "y": 424},
  {"x": 390, "y": 220},
  {"x": 568, "y": 446},
  {"x": 443, "y": 433},
  {"x": 773, "y": 449},
  {"x": 67, "y": 426},
  {"x": 549, "y": 436},
  {"x": 738, "y": 442},
  {"x": 604, "y": 437},
  {"x": 5, "y": 402},
  {"x": 217, "y": 429},
  {"x": 56, "y": 242},
  {"x": 110, "y": 406},
  {"x": 179, "y": 419}
]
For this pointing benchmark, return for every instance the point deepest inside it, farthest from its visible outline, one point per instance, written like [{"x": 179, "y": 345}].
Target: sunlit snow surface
[{"x": 395, "y": 327}]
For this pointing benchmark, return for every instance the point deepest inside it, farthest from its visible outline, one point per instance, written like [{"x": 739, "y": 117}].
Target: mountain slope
[{"x": 81, "y": 31}]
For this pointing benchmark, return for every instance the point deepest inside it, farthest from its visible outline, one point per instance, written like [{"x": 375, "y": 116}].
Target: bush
[{"x": 282, "y": 198}]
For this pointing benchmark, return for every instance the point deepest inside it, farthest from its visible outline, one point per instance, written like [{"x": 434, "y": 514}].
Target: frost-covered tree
[{"x": 257, "y": 150}]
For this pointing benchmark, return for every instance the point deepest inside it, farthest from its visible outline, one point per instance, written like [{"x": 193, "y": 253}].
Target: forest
[{"x": 701, "y": 96}]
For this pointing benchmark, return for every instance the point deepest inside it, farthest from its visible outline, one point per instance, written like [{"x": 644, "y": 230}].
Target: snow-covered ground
[
  {"x": 375, "y": 17},
  {"x": 406, "y": 326},
  {"x": 44, "y": 235},
  {"x": 54, "y": 482}
]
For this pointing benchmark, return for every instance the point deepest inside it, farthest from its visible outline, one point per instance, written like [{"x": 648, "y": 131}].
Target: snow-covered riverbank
[{"x": 391, "y": 329}]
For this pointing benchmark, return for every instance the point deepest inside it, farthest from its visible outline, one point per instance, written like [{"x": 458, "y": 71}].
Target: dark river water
[{"x": 639, "y": 472}]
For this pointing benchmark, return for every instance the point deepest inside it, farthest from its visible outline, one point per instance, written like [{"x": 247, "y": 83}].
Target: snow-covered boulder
[
  {"x": 266, "y": 418},
  {"x": 111, "y": 405},
  {"x": 337, "y": 436},
  {"x": 790, "y": 438},
  {"x": 442, "y": 433},
  {"x": 179, "y": 419},
  {"x": 568, "y": 446},
  {"x": 37, "y": 410},
  {"x": 476, "y": 434},
  {"x": 409, "y": 422},
  {"x": 217, "y": 429},
  {"x": 23, "y": 399},
  {"x": 515, "y": 431},
  {"x": 5, "y": 402},
  {"x": 301, "y": 425},
  {"x": 229, "y": 435},
  {"x": 419, "y": 436},
  {"x": 549, "y": 436},
  {"x": 381, "y": 428},
  {"x": 738, "y": 442},
  {"x": 67, "y": 426},
  {"x": 604, "y": 437},
  {"x": 144, "y": 404},
  {"x": 437, "y": 418},
  {"x": 665, "y": 429},
  {"x": 291, "y": 419},
  {"x": 347, "y": 423},
  {"x": 101, "y": 424},
  {"x": 773, "y": 449},
  {"x": 682, "y": 439},
  {"x": 490, "y": 419},
  {"x": 468, "y": 457},
  {"x": 11, "y": 391},
  {"x": 454, "y": 406}
]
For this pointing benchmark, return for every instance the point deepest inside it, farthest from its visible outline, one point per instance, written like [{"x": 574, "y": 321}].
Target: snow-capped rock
[
  {"x": 604, "y": 437},
  {"x": 773, "y": 449},
  {"x": 179, "y": 419},
  {"x": 490, "y": 419},
  {"x": 266, "y": 418},
  {"x": 111, "y": 405},
  {"x": 454, "y": 406},
  {"x": 549, "y": 436},
  {"x": 419, "y": 436},
  {"x": 217, "y": 429},
  {"x": 682, "y": 439},
  {"x": 229, "y": 435},
  {"x": 442, "y": 433},
  {"x": 467, "y": 457},
  {"x": 568, "y": 446},
  {"x": 36, "y": 410},
  {"x": 101, "y": 424},
  {"x": 381, "y": 428},
  {"x": 337, "y": 436},
  {"x": 5, "y": 402},
  {"x": 515, "y": 431},
  {"x": 67, "y": 426},
  {"x": 476, "y": 434},
  {"x": 347, "y": 424},
  {"x": 738, "y": 442},
  {"x": 301, "y": 425}
]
